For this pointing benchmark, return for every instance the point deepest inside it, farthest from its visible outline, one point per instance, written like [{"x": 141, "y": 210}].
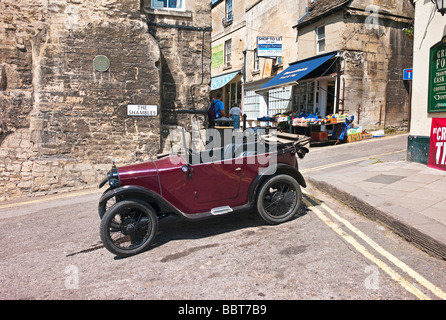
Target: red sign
[{"x": 437, "y": 151}]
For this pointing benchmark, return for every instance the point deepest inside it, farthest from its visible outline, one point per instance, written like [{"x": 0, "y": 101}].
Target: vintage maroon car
[{"x": 193, "y": 185}]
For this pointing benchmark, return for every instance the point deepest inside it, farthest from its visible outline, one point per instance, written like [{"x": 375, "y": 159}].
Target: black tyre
[
  {"x": 128, "y": 227},
  {"x": 279, "y": 199}
]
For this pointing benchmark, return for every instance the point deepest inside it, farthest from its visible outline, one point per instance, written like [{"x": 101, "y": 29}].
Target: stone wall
[
  {"x": 376, "y": 52},
  {"x": 62, "y": 121},
  {"x": 184, "y": 40}
]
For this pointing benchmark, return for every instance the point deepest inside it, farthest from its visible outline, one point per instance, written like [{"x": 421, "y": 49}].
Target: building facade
[
  {"x": 356, "y": 53},
  {"x": 428, "y": 84},
  {"x": 238, "y": 69},
  {"x": 372, "y": 53},
  {"x": 72, "y": 74}
]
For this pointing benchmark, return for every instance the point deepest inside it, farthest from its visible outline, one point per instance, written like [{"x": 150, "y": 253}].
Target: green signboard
[
  {"x": 217, "y": 56},
  {"x": 437, "y": 78}
]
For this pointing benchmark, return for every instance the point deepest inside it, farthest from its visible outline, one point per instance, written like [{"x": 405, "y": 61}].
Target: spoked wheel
[
  {"x": 128, "y": 227},
  {"x": 279, "y": 199},
  {"x": 103, "y": 207}
]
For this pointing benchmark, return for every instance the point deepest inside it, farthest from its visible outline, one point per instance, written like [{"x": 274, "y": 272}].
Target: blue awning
[
  {"x": 297, "y": 71},
  {"x": 221, "y": 81}
]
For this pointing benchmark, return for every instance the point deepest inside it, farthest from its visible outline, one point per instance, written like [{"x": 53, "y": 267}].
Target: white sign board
[
  {"x": 269, "y": 47},
  {"x": 142, "y": 110}
]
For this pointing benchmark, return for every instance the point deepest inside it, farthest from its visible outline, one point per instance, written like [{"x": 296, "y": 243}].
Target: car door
[{"x": 216, "y": 181}]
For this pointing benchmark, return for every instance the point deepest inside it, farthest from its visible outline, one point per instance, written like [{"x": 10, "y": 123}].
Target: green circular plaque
[{"x": 101, "y": 63}]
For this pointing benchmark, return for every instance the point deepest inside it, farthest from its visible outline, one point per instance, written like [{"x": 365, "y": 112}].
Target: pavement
[{"x": 407, "y": 197}]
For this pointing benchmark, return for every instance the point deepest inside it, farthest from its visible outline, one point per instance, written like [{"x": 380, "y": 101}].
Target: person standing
[
  {"x": 216, "y": 110},
  {"x": 235, "y": 113},
  {"x": 219, "y": 106}
]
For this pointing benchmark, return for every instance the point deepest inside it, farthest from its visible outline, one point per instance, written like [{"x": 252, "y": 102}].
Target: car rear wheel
[
  {"x": 279, "y": 199},
  {"x": 128, "y": 227}
]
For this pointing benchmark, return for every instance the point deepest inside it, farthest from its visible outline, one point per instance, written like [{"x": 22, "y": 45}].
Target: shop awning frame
[
  {"x": 222, "y": 80},
  {"x": 297, "y": 71}
]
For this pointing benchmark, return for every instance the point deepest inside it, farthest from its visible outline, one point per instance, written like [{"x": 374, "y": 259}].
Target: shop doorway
[
  {"x": 233, "y": 95},
  {"x": 331, "y": 97}
]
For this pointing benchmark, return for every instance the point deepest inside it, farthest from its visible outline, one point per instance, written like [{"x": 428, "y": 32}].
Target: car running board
[{"x": 221, "y": 210}]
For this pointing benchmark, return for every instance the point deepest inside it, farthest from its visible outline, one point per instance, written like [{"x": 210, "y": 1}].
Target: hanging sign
[
  {"x": 269, "y": 47},
  {"x": 437, "y": 78},
  {"x": 437, "y": 151}
]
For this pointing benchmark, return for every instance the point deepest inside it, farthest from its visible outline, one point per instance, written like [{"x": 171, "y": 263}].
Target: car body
[{"x": 198, "y": 185}]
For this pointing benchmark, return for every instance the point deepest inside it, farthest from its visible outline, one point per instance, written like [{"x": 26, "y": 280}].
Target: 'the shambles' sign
[
  {"x": 437, "y": 78},
  {"x": 142, "y": 110}
]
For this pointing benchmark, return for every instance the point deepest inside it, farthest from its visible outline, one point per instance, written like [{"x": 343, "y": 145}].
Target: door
[{"x": 216, "y": 182}]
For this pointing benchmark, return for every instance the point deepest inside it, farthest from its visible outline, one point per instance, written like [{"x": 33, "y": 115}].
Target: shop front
[
  {"x": 302, "y": 99},
  {"x": 230, "y": 84}
]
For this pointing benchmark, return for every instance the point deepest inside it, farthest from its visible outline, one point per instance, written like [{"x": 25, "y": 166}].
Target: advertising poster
[
  {"x": 217, "y": 56},
  {"x": 437, "y": 151}
]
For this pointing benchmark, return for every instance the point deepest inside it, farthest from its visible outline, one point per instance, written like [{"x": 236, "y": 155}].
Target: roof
[{"x": 319, "y": 9}]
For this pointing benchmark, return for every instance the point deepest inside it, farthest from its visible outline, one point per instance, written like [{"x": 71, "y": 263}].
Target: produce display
[{"x": 350, "y": 132}]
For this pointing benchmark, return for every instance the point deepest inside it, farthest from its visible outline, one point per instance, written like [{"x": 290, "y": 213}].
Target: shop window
[
  {"x": 306, "y": 97},
  {"x": 169, "y": 4},
  {"x": 228, "y": 45},
  {"x": 251, "y": 105},
  {"x": 279, "y": 100},
  {"x": 320, "y": 39}
]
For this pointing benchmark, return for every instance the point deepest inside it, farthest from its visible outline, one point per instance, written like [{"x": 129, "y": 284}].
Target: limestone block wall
[
  {"x": 61, "y": 120},
  {"x": 376, "y": 52}
]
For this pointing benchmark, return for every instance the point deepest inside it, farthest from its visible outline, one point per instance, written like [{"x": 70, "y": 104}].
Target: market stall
[{"x": 333, "y": 128}]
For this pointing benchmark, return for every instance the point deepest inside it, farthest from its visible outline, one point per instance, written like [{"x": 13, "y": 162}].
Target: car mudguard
[
  {"x": 271, "y": 171},
  {"x": 138, "y": 193}
]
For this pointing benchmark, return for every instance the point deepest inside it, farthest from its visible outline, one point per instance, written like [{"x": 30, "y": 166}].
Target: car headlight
[{"x": 112, "y": 178}]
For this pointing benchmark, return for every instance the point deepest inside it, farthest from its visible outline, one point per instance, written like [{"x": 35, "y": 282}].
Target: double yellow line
[
  {"x": 313, "y": 203},
  {"x": 341, "y": 163}
]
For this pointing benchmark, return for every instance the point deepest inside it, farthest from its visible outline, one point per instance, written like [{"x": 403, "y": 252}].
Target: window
[
  {"x": 256, "y": 61},
  {"x": 169, "y": 4},
  {"x": 228, "y": 45},
  {"x": 228, "y": 13},
  {"x": 279, "y": 100},
  {"x": 306, "y": 96},
  {"x": 251, "y": 105},
  {"x": 227, "y": 20},
  {"x": 278, "y": 61},
  {"x": 320, "y": 39}
]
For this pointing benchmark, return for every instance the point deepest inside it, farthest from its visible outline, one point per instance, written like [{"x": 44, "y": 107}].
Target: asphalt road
[{"x": 51, "y": 250}]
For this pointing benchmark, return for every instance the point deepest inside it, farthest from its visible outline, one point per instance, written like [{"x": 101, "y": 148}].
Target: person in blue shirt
[
  {"x": 216, "y": 110},
  {"x": 219, "y": 106}
]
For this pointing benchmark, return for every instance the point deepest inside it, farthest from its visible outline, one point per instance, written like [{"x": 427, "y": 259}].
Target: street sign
[
  {"x": 408, "y": 74},
  {"x": 142, "y": 110}
]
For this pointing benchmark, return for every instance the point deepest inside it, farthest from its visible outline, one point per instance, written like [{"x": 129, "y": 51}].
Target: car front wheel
[
  {"x": 128, "y": 227},
  {"x": 279, "y": 199}
]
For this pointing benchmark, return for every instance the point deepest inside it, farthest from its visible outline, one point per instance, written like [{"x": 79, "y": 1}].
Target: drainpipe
[
  {"x": 338, "y": 80},
  {"x": 343, "y": 93}
]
